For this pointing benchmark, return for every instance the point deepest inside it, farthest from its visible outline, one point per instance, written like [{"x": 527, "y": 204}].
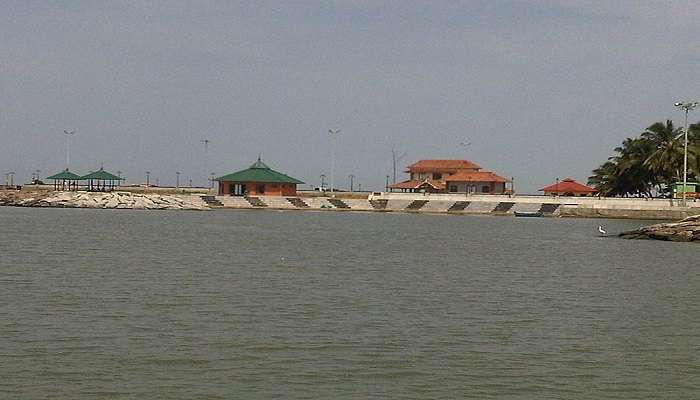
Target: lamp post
[
  {"x": 352, "y": 178},
  {"x": 334, "y": 133},
  {"x": 211, "y": 180},
  {"x": 323, "y": 182},
  {"x": 148, "y": 178},
  {"x": 386, "y": 187},
  {"x": 12, "y": 180},
  {"x": 68, "y": 135},
  {"x": 177, "y": 180},
  {"x": 687, "y": 106}
]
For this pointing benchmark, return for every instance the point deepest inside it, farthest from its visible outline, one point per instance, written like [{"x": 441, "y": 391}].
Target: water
[{"x": 264, "y": 305}]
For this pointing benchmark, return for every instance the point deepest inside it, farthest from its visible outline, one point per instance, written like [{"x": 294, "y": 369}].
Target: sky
[{"x": 538, "y": 90}]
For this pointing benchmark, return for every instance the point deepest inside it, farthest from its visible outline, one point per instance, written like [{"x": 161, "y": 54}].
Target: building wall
[
  {"x": 476, "y": 187},
  {"x": 258, "y": 188}
]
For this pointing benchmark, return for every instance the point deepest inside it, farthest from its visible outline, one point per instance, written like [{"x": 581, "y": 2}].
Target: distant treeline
[{"x": 649, "y": 164}]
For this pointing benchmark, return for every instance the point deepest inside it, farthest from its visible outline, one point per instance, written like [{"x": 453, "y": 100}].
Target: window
[
  {"x": 437, "y": 176},
  {"x": 453, "y": 188},
  {"x": 485, "y": 189},
  {"x": 260, "y": 189}
]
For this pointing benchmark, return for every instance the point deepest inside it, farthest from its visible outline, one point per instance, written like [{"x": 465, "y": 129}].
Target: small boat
[{"x": 528, "y": 213}]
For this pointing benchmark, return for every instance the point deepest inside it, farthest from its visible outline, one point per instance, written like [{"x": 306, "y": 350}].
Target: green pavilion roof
[
  {"x": 258, "y": 172},
  {"x": 101, "y": 175},
  {"x": 65, "y": 175}
]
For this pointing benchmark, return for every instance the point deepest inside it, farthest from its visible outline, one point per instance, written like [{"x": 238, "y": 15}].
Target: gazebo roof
[
  {"x": 568, "y": 185},
  {"x": 65, "y": 175},
  {"x": 101, "y": 175},
  {"x": 258, "y": 172}
]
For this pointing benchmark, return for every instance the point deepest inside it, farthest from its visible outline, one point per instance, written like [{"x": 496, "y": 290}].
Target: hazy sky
[{"x": 541, "y": 89}]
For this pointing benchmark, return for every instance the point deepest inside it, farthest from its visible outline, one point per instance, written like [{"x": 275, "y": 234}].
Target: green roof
[
  {"x": 101, "y": 175},
  {"x": 258, "y": 172},
  {"x": 65, "y": 175}
]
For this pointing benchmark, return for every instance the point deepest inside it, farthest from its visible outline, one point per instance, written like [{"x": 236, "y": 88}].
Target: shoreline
[{"x": 493, "y": 205}]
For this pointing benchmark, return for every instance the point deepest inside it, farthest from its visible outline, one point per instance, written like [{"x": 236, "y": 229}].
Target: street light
[
  {"x": 687, "y": 107},
  {"x": 68, "y": 135},
  {"x": 177, "y": 180},
  {"x": 323, "y": 182},
  {"x": 352, "y": 177},
  {"x": 334, "y": 133},
  {"x": 148, "y": 178}
]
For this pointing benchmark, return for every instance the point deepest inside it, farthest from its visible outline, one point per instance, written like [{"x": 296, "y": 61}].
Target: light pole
[
  {"x": 352, "y": 177},
  {"x": 68, "y": 135},
  {"x": 334, "y": 133},
  {"x": 386, "y": 187},
  {"x": 177, "y": 180},
  {"x": 211, "y": 180},
  {"x": 323, "y": 182},
  {"x": 687, "y": 106},
  {"x": 206, "y": 154},
  {"x": 148, "y": 178},
  {"x": 394, "y": 160},
  {"x": 12, "y": 175}
]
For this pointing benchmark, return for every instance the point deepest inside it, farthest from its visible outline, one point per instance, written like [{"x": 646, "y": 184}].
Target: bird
[{"x": 602, "y": 231}]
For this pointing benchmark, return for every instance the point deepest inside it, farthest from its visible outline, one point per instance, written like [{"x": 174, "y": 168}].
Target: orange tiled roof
[
  {"x": 438, "y": 165},
  {"x": 475, "y": 176},
  {"x": 568, "y": 185}
]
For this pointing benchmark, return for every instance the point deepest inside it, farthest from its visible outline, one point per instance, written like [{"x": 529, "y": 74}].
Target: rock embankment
[
  {"x": 687, "y": 230},
  {"x": 122, "y": 200}
]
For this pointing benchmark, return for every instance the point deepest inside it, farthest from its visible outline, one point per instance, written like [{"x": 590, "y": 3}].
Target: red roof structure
[
  {"x": 475, "y": 176},
  {"x": 415, "y": 185},
  {"x": 568, "y": 185},
  {"x": 442, "y": 165}
]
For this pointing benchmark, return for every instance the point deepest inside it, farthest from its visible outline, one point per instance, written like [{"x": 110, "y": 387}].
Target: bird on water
[{"x": 602, "y": 231}]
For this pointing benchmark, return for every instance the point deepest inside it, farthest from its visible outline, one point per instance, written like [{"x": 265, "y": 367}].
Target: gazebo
[
  {"x": 101, "y": 181},
  {"x": 65, "y": 180},
  {"x": 568, "y": 187},
  {"x": 259, "y": 179}
]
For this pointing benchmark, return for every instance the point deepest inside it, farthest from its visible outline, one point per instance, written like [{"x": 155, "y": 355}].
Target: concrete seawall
[{"x": 653, "y": 209}]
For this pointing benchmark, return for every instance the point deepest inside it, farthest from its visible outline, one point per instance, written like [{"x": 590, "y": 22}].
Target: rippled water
[{"x": 246, "y": 304}]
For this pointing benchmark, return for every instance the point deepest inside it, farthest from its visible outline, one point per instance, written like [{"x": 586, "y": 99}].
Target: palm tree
[{"x": 666, "y": 162}]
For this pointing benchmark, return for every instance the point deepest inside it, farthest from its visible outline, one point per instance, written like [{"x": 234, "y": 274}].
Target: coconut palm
[{"x": 666, "y": 162}]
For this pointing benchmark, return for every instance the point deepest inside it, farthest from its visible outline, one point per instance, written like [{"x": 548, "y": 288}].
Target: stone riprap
[
  {"x": 687, "y": 230},
  {"x": 116, "y": 200}
]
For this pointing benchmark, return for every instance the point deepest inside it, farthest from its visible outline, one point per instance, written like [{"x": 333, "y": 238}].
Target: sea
[{"x": 246, "y": 304}]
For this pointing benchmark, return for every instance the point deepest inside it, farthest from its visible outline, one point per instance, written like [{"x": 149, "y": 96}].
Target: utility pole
[
  {"x": 334, "y": 133},
  {"x": 387, "y": 183},
  {"x": 323, "y": 182},
  {"x": 68, "y": 135},
  {"x": 687, "y": 107},
  {"x": 177, "y": 179},
  {"x": 512, "y": 185},
  {"x": 206, "y": 154},
  {"x": 394, "y": 160},
  {"x": 148, "y": 178},
  {"x": 352, "y": 177}
]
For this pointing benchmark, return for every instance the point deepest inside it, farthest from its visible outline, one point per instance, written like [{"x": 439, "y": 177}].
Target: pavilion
[
  {"x": 101, "y": 181},
  {"x": 259, "y": 179},
  {"x": 568, "y": 187},
  {"x": 65, "y": 180}
]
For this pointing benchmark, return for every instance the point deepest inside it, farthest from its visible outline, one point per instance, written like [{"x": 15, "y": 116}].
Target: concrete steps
[
  {"x": 255, "y": 201},
  {"x": 297, "y": 202},
  {"x": 416, "y": 205},
  {"x": 458, "y": 206}
]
